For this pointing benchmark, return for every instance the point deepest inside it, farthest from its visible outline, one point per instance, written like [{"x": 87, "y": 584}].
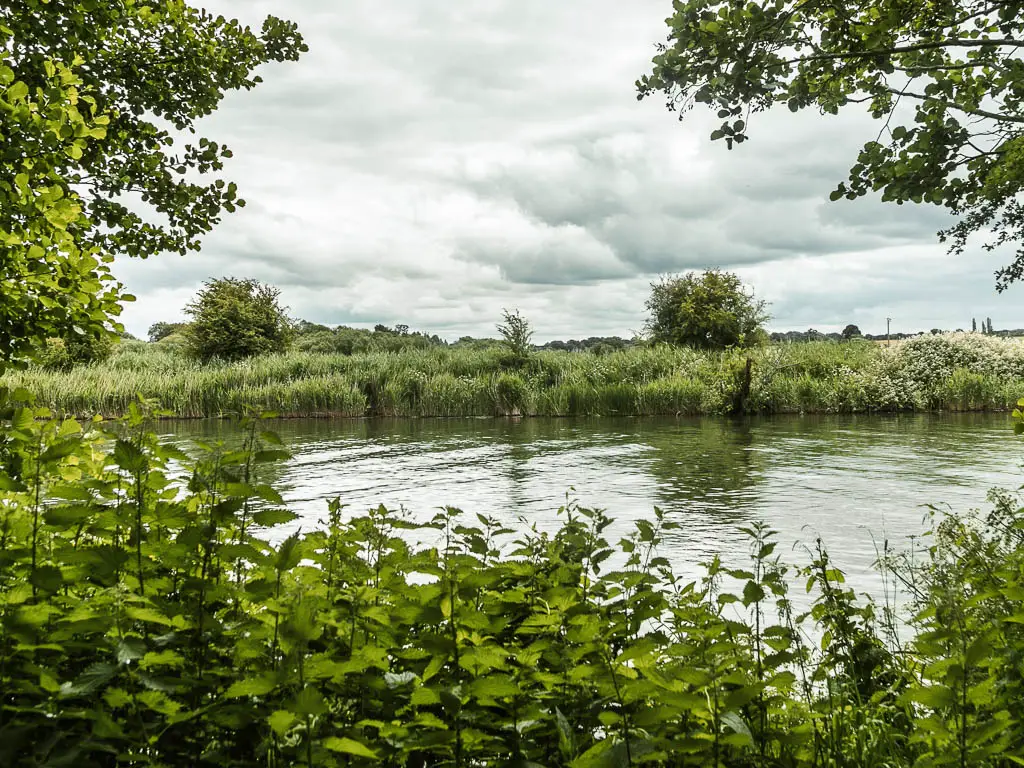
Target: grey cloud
[{"x": 431, "y": 164}]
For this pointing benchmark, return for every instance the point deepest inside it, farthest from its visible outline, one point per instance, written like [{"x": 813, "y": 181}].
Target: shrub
[
  {"x": 511, "y": 395},
  {"x": 515, "y": 335},
  {"x": 63, "y": 354},
  {"x": 234, "y": 319}
]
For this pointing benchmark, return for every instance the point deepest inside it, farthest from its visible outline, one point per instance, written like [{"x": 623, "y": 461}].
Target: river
[{"x": 854, "y": 480}]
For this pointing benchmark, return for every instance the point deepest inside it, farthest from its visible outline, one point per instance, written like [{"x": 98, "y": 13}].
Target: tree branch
[
  {"x": 965, "y": 110},
  {"x": 951, "y": 43}
]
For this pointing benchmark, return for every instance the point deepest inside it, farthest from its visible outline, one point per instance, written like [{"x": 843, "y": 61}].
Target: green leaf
[
  {"x": 936, "y": 697},
  {"x": 566, "y": 736},
  {"x": 270, "y": 455},
  {"x": 128, "y": 457},
  {"x": 149, "y": 615},
  {"x": 738, "y": 725},
  {"x": 47, "y": 578},
  {"x": 280, "y": 721},
  {"x": 130, "y": 649},
  {"x": 7, "y": 483},
  {"x": 95, "y": 677},
  {"x": 752, "y": 593},
  {"x": 349, "y": 747},
  {"x": 309, "y": 701},
  {"x": 271, "y": 517},
  {"x": 254, "y": 686}
]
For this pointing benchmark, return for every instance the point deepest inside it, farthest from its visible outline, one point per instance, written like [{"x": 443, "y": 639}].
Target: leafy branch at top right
[{"x": 946, "y": 78}]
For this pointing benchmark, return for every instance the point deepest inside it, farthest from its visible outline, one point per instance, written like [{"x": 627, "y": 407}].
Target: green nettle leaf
[
  {"x": 129, "y": 457},
  {"x": 281, "y": 721},
  {"x": 349, "y": 747},
  {"x": 400, "y": 679},
  {"x": 289, "y": 554},
  {"x": 48, "y": 578},
  {"x": 130, "y": 649},
  {"x": 260, "y": 686},
  {"x": 734, "y": 721},
  {"x": 936, "y": 697},
  {"x": 150, "y": 615},
  {"x": 271, "y": 455},
  {"x": 309, "y": 701},
  {"x": 752, "y": 593},
  {"x": 90, "y": 681},
  {"x": 271, "y": 517},
  {"x": 7, "y": 483}
]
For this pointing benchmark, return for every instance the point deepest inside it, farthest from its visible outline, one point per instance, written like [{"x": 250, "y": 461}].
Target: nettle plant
[{"x": 159, "y": 608}]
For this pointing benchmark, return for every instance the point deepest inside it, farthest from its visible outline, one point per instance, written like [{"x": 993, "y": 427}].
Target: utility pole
[{"x": 887, "y": 321}]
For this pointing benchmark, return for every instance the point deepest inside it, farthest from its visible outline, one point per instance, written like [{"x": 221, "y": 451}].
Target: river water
[{"x": 855, "y": 481}]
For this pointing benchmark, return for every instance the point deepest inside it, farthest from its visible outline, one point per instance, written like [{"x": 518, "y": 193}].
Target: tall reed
[{"x": 953, "y": 372}]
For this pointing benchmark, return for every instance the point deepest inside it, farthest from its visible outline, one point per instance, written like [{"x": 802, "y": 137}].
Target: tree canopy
[
  {"x": 95, "y": 98},
  {"x": 705, "y": 311},
  {"x": 233, "y": 319},
  {"x": 946, "y": 78}
]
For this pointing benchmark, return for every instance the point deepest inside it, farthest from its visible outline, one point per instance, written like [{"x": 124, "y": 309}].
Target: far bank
[{"x": 951, "y": 372}]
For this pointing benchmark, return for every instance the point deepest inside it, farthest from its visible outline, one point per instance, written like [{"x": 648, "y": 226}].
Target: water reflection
[{"x": 853, "y": 480}]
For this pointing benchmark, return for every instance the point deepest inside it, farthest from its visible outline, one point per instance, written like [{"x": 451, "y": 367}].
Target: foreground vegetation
[
  {"x": 158, "y": 609},
  {"x": 951, "y": 372}
]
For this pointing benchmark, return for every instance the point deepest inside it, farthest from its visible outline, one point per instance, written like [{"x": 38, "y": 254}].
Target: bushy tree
[
  {"x": 162, "y": 330},
  {"x": 851, "y": 331},
  {"x": 306, "y": 328},
  {"x": 89, "y": 95},
  {"x": 946, "y": 79},
  {"x": 708, "y": 310},
  {"x": 233, "y": 319}
]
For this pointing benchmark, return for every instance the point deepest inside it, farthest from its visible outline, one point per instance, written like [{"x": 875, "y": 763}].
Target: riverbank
[{"x": 956, "y": 372}]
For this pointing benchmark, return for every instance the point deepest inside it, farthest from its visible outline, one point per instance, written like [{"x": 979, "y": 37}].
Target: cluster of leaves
[
  {"x": 945, "y": 78},
  {"x": 51, "y": 282},
  {"x": 63, "y": 354},
  {"x": 90, "y": 93},
  {"x": 710, "y": 310},
  {"x": 152, "y": 612}
]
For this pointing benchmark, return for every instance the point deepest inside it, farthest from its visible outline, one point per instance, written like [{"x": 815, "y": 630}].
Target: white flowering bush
[
  {"x": 929, "y": 360},
  {"x": 888, "y": 385}
]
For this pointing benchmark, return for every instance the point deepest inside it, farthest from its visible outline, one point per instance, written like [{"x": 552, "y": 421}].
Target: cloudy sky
[{"x": 432, "y": 164}]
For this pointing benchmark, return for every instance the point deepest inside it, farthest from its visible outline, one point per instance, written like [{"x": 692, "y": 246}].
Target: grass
[{"x": 952, "y": 372}]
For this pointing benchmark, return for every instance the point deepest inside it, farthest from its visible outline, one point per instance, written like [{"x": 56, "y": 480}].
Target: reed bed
[{"x": 963, "y": 372}]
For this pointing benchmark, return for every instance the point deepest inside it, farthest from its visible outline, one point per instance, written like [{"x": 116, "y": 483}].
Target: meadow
[{"x": 958, "y": 372}]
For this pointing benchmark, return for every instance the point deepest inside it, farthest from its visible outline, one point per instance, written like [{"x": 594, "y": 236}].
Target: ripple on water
[{"x": 855, "y": 481}]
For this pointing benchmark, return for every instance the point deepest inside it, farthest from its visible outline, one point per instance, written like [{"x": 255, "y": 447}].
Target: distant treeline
[
  {"x": 346, "y": 340},
  {"x": 813, "y": 335}
]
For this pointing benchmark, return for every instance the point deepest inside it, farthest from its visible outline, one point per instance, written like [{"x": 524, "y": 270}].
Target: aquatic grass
[
  {"x": 678, "y": 395},
  {"x": 953, "y": 371}
]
